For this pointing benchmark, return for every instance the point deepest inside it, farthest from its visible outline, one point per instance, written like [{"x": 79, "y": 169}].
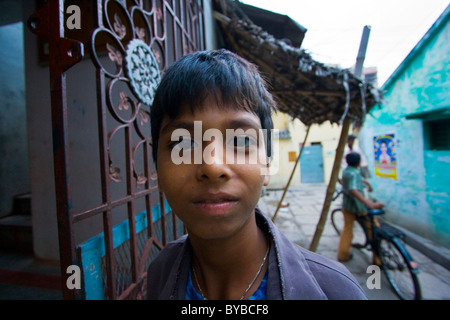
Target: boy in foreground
[{"x": 213, "y": 181}]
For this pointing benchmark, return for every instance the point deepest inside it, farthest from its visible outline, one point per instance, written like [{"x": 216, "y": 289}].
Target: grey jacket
[{"x": 294, "y": 273}]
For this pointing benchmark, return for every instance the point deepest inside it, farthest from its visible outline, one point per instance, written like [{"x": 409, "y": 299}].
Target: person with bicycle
[
  {"x": 352, "y": 147},
  {"x": 355, "y": 204}
]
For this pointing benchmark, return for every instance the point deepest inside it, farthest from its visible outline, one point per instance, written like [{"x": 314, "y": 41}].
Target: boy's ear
[
  {"x": 267, "y": 176},
  {"x": 266, "y": 180}
]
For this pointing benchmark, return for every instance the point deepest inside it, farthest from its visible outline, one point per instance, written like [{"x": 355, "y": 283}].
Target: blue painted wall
[{"x": 419, "y": 199}]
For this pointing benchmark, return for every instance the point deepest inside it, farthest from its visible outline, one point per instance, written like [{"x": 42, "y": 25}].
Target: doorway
[
  {"x": 311, "y": 164},
  {"x": 14, "y": 178}
]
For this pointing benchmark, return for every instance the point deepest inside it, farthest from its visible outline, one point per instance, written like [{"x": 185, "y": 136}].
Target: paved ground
[
  {"x": 298, "y": 222},
  {"x": 22, "y": 277}
]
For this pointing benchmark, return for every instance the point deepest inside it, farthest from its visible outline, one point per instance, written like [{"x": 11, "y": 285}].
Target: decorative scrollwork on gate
[
  {"x": 131, "y": 47},
  {"x": 142, "y": 70},
  {"x": 128, "y": 62},
  {"x": 131, "y": 43}
]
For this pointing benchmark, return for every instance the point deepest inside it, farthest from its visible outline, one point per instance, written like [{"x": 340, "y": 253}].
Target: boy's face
[{"x": 214, "y": 197}]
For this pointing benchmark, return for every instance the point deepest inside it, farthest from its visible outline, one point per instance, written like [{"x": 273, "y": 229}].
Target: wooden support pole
[
  {"x": 292, "y": 175},
  {"x": 332, "y": 185},
  {"x": 340, "y": 149}
]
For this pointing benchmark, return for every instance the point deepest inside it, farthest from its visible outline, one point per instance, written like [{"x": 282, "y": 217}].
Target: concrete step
[
  {"x": 21, "y": 204},
  {"x": 16, "y": 233}
]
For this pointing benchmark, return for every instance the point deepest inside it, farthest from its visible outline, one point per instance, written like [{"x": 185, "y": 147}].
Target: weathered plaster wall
[{"x": 420, "y": 197}]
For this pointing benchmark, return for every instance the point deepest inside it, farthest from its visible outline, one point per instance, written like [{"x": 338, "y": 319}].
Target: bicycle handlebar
[{"x": 375, "y": 212}]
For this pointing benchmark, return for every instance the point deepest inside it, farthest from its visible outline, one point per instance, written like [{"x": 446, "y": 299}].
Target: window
[
  {"x": 436, "y": 127},
  {"x": 438, "y": 134}
]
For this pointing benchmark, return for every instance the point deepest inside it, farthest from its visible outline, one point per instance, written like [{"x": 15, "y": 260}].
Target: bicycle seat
[{"x": 375, "y": 212}]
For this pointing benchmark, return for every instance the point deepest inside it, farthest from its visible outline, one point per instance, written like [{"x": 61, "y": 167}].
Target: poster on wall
[{"x": 385, "y": 158}]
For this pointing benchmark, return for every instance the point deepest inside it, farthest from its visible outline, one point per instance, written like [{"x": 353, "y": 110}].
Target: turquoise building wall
[{"x": 418, "y": 91}]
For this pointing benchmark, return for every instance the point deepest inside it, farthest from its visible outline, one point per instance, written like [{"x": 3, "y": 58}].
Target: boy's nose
[{"x": 213, "y": 166}]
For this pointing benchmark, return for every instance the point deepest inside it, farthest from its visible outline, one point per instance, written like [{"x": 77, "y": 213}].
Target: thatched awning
[{"x": 303, "y": 88}]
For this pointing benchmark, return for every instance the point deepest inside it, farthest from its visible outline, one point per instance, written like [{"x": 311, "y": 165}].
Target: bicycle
[{"x": 387, "y": 244}]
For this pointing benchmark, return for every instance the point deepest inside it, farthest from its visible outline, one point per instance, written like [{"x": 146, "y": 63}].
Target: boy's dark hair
[
  {"x": 221, "y": 74},
  {"x": 353, "y": 159}
]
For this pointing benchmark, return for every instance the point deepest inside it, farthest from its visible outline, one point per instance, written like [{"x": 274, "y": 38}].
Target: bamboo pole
[
  {"x": 332, "y": 185},
  {"x": 340, "y": 149},
  {"x": 292, "y": 175}
]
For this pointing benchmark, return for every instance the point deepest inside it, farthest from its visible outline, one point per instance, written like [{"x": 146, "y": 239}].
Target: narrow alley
[{"x": 298, "y": 222}]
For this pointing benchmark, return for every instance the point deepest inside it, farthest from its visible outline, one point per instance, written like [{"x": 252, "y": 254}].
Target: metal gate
[{"x": 128, "y": 45}]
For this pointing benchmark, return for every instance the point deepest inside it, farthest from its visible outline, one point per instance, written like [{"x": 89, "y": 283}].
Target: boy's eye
[
  {"x": 244, "y": 142},
  {"x": 184, "y": 143}
]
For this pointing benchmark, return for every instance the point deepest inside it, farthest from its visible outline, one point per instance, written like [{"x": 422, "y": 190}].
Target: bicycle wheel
[
  {"x": 400, "y": 272},
  {"x": 359, "y": 235},
  {"x": 337, "y": 220}
]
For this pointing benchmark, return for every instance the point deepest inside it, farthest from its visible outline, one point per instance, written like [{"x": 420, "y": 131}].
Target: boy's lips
[{"x": 215, "y": 203}]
